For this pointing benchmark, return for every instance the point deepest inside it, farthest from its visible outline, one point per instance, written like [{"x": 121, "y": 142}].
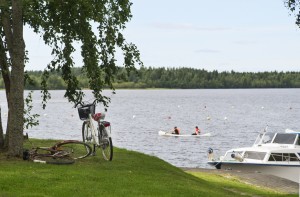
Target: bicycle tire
[
  {"x": 54, "y": 160},
  {"x": 105, "y": 143},
  {"x": 86, "y": 132},
  {"x": 76, "y": 149},
  {"x": 107, "y": 149}
]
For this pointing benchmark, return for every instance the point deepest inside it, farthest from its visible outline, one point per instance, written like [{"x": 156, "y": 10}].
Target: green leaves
[
  {"x": 294, "y": 7},
  {"x": 30, "y": 120},
  {"x": 97, "y": 25}
]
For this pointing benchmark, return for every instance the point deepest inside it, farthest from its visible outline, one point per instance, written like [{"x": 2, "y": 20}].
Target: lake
[{"x": 233, "y": 116}]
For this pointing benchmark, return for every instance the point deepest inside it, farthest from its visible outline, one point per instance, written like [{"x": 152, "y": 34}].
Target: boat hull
[
  {"x": 290, "y": 172},
  {"x": 164, "y": 133}
]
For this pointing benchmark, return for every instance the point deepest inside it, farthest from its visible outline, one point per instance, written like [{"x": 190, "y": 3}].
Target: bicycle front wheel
[
  {"x": 75, "y": 149},
  {"x": 86, "y": 132}
]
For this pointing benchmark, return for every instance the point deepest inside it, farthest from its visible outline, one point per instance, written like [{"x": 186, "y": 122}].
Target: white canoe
[{"x": 165, "y": 133}]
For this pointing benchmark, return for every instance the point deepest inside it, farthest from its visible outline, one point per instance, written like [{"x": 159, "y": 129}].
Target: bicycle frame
[
  {"x": 93, "y": 130},
  {"x": 90, "y": 122},
  {"x": 99, "y": 133}
]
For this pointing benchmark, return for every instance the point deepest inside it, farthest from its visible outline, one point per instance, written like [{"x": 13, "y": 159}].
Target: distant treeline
[{"x": 181, "y": 78}]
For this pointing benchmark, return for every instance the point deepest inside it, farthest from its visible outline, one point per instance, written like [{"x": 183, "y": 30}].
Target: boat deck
[{"x": 258, "y": 179}]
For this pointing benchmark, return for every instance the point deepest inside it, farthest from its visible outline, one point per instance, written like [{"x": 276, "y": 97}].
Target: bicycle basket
[{"x": 85, "y": 110}]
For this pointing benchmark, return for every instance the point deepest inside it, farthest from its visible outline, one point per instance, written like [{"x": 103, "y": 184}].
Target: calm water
[{"x": 234, "y": 117}]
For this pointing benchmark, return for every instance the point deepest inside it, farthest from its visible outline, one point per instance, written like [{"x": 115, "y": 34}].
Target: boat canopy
[{"x": 278, "y": 138}]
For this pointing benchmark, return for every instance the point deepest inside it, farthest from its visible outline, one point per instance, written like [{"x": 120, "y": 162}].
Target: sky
[{"x": 223, "y": 35}]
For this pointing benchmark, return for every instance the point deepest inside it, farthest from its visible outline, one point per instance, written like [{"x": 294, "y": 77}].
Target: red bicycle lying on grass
[{"x": 65, "y": 152}]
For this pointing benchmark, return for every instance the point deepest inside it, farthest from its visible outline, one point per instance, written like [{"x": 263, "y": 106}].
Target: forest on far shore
[{"x": 177, "y": 78}]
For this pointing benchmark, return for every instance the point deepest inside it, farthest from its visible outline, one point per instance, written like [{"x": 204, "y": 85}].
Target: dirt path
[{"x": 258, "y": 179}]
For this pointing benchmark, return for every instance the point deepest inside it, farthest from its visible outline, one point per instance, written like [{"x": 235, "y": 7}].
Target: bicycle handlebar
[{"x": 85, "y": 103}]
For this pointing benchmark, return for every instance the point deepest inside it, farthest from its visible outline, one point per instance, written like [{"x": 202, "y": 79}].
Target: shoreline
[{"x": 258, "y": 179}]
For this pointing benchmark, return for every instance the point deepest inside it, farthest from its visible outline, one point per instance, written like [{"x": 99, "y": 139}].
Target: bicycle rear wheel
[
  {"x": 54, "y": 160},
  {"x": 105, "y": 143},
  {"x": 107, "y": 149},
  {"x": 76, "y": 149}
]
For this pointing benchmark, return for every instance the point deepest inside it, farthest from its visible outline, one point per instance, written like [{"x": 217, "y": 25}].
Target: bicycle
[
  {"x": 64, "y": 152},
  {"x": 101, "y": 137}
]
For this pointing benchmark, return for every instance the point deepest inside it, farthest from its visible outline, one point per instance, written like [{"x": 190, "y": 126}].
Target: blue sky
[{"x": 240, "y": 35}]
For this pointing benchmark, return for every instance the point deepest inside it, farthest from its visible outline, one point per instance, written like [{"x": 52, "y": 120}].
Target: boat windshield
[
  {"x": 264, "y": 138},
  {"x": 285, "y": 138},
  {"x": 255, "y": 155}
]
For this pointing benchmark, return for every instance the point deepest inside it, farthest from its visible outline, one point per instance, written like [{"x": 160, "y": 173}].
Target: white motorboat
[
  {"x": 166, "y": 133},
  {"x": 276, "y": 154}
]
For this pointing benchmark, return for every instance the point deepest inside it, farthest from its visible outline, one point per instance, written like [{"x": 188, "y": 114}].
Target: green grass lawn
[{"x": 129, "y": 174}]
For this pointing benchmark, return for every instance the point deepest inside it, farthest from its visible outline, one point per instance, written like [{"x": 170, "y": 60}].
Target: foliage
[
  {"x": 96, "y": 26},
  {"x": 30, "y": 119},
  {"x": 129, "y": 174},
  {"x": 199, "y": 78},
  {"x": 178, "y": 78},
  {"x": 294, "y": 7}
]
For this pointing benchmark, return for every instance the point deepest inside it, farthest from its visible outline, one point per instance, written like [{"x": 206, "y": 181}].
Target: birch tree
[{"x": 95, "y": 25}]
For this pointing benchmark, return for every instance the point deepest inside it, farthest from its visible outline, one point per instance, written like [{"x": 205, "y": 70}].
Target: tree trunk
[
  {"x": 1, "y": 132},
  {"x": 16, "y": 99},
  {"x": 6, "y": 22},
  {"x": 6, "y": 79},
  {"x": 4, "y": 70}
]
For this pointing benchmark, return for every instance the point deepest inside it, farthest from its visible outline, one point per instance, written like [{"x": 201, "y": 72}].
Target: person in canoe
[
  {"x": 176, "y": 131},
  {"x": 197, "y": 131}
]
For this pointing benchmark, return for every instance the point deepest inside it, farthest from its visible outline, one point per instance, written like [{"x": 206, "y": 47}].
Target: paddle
[
  {"x": 165, "y": 132},
  {"x": 171, "y": 132}
]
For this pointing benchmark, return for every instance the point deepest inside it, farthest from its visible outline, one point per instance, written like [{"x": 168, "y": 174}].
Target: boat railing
[
  {"x": 215, "y": 157},
  {"x": 229, "y": 156}
]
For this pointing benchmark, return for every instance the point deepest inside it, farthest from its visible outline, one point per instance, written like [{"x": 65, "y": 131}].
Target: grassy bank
[{"x": 129, "y": 174}]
